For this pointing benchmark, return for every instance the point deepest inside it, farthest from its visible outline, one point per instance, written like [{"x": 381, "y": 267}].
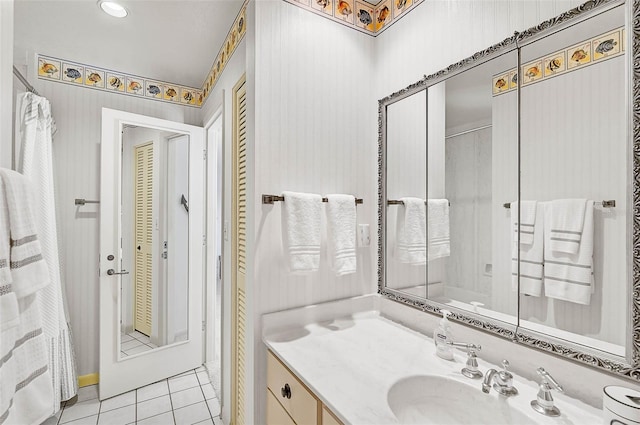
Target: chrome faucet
[
  {"x": 471, "y": 369},
  {"x": 544, "y": 402},
  {"x": 502, "y": 381}
]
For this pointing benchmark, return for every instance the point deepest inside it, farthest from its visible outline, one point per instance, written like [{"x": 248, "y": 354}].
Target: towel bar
[
  {"x": 605, "y": 204},
  {"x": 397, "y": 202},
  {"x": 80, "y": 201},
  {"x": 270, "y": 199}
]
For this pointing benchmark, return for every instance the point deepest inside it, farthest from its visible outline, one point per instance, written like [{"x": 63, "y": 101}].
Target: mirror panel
[
  {"x": 473, "y": 169},
  {"x": 574, "y": 145},
  {"x": 155, "y": 244},
  {"x": 406, "y": 177}
]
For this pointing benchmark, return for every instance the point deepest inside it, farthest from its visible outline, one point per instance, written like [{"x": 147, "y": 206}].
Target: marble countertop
[{"x": 351, "y": 362}]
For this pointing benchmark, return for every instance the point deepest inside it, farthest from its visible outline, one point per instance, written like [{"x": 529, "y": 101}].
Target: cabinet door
[{"x": 328, "y": 418}]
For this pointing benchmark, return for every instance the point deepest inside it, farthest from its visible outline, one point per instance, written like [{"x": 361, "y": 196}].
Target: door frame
[
  {"x": 119, "y": 375},
  {"x": 215, "y": 212}
]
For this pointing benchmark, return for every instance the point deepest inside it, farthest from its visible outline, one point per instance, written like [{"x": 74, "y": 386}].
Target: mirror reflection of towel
[
  {"x": 569, "y": 277},
  {"x": 531, "y": 254},
  {"x": 439, "y": 241},
  {"x": 411, "y": 232}
]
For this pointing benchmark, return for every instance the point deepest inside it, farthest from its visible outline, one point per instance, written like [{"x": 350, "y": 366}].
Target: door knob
[{"x": 111, "y": 272}]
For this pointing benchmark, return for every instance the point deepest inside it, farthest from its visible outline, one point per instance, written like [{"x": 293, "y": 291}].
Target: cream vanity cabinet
[{"x": 289, "y": 401}]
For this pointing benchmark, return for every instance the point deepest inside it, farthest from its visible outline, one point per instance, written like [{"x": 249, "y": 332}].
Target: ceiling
[{"x": 171, "y": 41}]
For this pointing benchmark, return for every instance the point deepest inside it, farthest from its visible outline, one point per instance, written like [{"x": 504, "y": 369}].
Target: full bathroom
[{"x": 319, "y": 212}]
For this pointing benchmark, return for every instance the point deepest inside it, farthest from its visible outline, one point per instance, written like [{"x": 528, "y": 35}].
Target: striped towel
[
  {"x": 527, "y": 210},
  {"x": 569, "y": 277},
  {"x": 530, "y": 254},
  {"x": 566, "y": 222},
  {"x": 8, "y": 300},
  {"x": 438, "y": 221},
  {"x": 29, "y": 272},
  {"x": 411, "y": 232},
  {"x": 26, "y": 393}
]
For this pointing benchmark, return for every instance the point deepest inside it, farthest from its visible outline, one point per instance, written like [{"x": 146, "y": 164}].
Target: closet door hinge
[
  {"x": 204, "y": 154},
  {"x": 204, "y": 325},
  {"x": 204, "y": 240}
]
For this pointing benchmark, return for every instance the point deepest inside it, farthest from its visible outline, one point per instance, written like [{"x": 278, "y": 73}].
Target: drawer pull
[{"x": 286, "y": 391}]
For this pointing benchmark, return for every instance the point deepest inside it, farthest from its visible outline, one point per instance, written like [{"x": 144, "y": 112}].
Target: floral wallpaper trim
[
  {"x": 360, "y": 15},
  {"x": 604, "y": 46},
  {"x": 97, "y": 78}
]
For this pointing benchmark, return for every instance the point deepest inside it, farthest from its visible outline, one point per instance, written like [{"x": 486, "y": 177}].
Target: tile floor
[
  {"x": 184, "y": 399},
  {"x": 134, "y": 343}
]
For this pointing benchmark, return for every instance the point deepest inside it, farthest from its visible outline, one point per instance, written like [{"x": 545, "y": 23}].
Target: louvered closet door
[
  {"x": 143, "y": 273},
  {"x": 239, "y": 251}
]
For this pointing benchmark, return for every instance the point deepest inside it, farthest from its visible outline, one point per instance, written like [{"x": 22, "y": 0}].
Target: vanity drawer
[
  {"x": 298, "y": 401},
  {"x": 276, "y": 415}
]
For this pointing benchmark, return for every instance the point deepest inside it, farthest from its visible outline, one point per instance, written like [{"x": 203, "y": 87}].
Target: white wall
[
  {"x": 315, "y": 131},
  {"x": 76, "y": 155},
  {"x": 6, "y": 81}
]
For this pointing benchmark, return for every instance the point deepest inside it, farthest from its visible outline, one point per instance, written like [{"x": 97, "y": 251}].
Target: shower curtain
[{"x": 34, "y": 135}]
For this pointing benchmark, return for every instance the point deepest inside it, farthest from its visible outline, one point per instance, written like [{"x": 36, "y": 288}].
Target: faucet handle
[
  {"x": 470, "y": 347},
  {"x": 544, "y": 401},
  {"x": 547, "y": 378},
  {"x": 471, "y": 369}
]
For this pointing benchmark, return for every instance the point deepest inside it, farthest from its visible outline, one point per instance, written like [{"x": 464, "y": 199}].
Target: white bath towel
[
  {"x": 301, "y": 230},
  {"x": 528, "y": 212},
  {"x": 531, "y": 254},
  {"x": 438, "y": 221},
  {"x": 567, "y": 221},
  {"x": 569, "y": 277},
  {"x": 341, "y": 233},
  {"x": 29, "y": 271},
  {"x": 411, "y": 232},
  {"x": 8, "y": 299},
  {"x": 26, "y": 393}
]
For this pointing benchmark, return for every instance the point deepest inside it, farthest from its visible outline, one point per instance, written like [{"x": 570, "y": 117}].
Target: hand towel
[
  {"x": 29, "y": 271},
  {"x": 528, "y": 212},
  {"x": 411, "y": 232},
  {"x": 341, "y": 233},
  {"x": 569, "y": 277},
  {"x": 567, "y": 221},
  {"x": 301, "y": 226},
  {"x": 438, "y": 221},
  {"x": 531, "y": 254}
]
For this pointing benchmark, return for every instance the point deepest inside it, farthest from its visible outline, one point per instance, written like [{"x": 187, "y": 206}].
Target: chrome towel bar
[{"x": 270, "y": 199}]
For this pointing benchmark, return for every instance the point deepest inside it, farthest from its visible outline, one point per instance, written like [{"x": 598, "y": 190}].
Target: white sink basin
[{"x": 429, "y": 399}]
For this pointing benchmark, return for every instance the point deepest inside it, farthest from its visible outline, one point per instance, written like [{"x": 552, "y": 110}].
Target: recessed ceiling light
[{"x": 112, "y": 8}]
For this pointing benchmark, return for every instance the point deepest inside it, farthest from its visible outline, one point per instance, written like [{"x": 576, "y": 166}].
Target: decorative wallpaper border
[
  {"x": 97, "y": 78},
  {"x": 233, "y": 39},
  {"x": 360, "y": 15},
  {"x": 604, "y": 46}
]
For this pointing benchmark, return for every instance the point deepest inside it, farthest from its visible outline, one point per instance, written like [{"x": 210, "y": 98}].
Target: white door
[{"x": 129, "y": 360}]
